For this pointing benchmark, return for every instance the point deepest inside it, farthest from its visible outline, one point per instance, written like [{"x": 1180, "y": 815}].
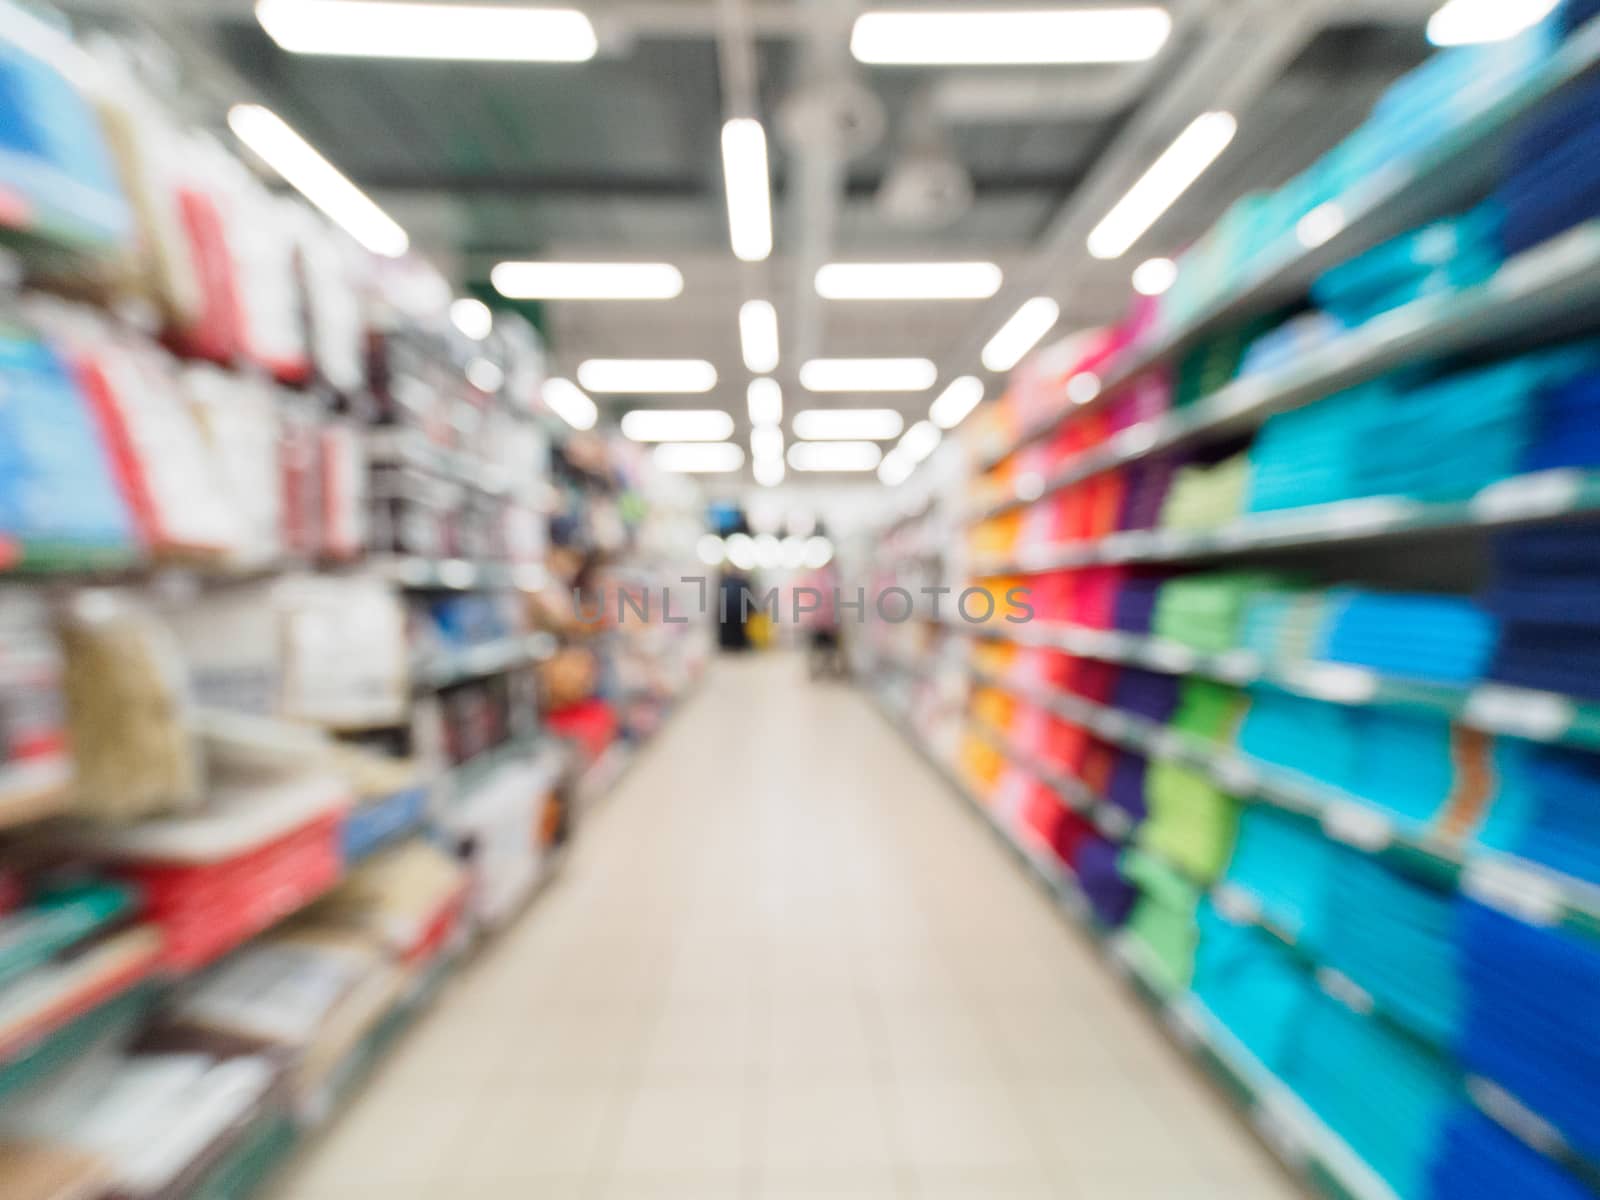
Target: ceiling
[{"x": 618, "y": 158}]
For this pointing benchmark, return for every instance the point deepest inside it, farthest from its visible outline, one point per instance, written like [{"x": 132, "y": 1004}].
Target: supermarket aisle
[{"x": 785, "y": 963}]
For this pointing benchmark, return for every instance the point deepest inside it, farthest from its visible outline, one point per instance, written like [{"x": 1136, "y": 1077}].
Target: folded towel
[
  {"x": 1286, "y": 863},
  {"x": 1441, "y": 638},
  {"x": 1252, "y": 983},
  {"x": 1126, "y": 789},
  {"x": 1146, "y": 694},
  {"x": 1548, "y": 809},
  {"x": 1162, "y": 924},
  {"x": 1111, "y": 895},
  {"x": 1311, "y": 737},
  {"x": 1191, "y": 822},
  {"x": 1478, "y": 1160}
]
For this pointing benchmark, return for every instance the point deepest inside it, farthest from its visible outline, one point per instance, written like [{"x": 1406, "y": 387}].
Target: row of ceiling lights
[{"x": 382, "y": 28}]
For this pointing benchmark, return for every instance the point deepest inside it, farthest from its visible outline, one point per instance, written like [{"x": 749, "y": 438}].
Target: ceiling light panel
[
  {"x": 956, "y": 401},
  {"x": 1021, "y": 333},
  {"x": 567, "y": 401},
  {"x": 462, "y": 32},
  {"x": 744, "y": 172},
  {"x": 848, "y": 424},
  {"x": 587, "y": 281},
  {"x": 908, "y": 281},
  {"x": 1077, "y": 34},
  {"x": 834, "y": 456},
  {"x": 648, "y": 376},
  {"x": 699, "y": 458},
  {"x": 764, "y": 398},
  {"x": 677, "y": 425},
  {"x": 1158, "y": 189},
  {"x": 868, "y": 375},
  {"x": 758, "y": 335}
]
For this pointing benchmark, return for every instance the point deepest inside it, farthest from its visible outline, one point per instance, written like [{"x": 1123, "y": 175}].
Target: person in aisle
[{"x": 819, "y": 619}]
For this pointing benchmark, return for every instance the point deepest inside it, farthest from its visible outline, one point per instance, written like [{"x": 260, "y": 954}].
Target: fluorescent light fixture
[
  {"x": 1180, "y": 164},
  {"x": 485, "y": 375},
  {"x": 710, "y": 550},
  {"x": 766, "y": 441},
  {"x": 744, "y": 173},
  {"x": 587, "y": 280},
  {"x": 956, "y": 401},
  {"x": 468, "y": 32},
  {"x": 758, "y": 335},
  {"x": 676, "y": 425},
  {"x": 567, "y": 401},
  {"x": 1321, "y": 225},
  {"x": 1154, "y": 276},
  {"x": 317, "y": 179},
  {"x": 794, "y": 552},
  {"x": 1061, "y": 35},
  {"x": 868, "y": 374},
  {"x": 1468, "y": 22},
  {"x": 683, "y": 376},
  {"x": 742, "y": 551},
  {"x": 768, "y": 472},
  {"x": 848, "y": 424},
  {"x": 769, "y": 551},
  {"x": 819, "y": 552},
  {"x": 834, "y": 456},
  {"x": 472, "y": 317},
  {"x": 921, "y": 440},
  {"x": 765, "y": 400},
  {"x": 895, "y": 469},
  {"x": 699, "y": 458},
  {"x": 908, "y": 281},
  {"x": 1021, "y": 333}
]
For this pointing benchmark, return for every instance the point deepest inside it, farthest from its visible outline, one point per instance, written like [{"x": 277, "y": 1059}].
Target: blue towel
[
  {"x": 1551, "y": 550},
  {"x": 1548, "y": 807},
  {"x": 1571, "y": 16},
  {"x": 1531, "y": 995},
  {"x": 1550, "y": 658},
  {"x": 1478, "y": 1160},
  {"x": 1545, "y": 198},
  {"x": 1441, "y": 638},
  {"x": 1288, "y": 865},
  {"x": 1379, "y": 1090},
  {"x": 1444, "y": 256},
  {"x": 1310, "y": 737},
  {"x": 1252, "y": 983}
]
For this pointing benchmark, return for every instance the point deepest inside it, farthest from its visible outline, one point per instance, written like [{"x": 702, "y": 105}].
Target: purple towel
[
  {"x": 1135, "y": 605},
  {"x": 1148, "y": 479},
  {"x": 1110, "y": 895},
  {"x": 1126, "y": 789},
  {"x": 1557, "y": 550},
  {"x": 1146, "y": 694}
]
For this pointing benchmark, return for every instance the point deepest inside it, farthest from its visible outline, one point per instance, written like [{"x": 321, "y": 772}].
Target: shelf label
[
  {"x": 1542, "y": 494},
  {"x": 1357, "y": 825},
  {"x": 1333, "y": 681},
  {"x": 1542, "y": 716},
  {"x": 1509, "y": 1112},
  {"x": 1345, "y": 990},
  {"x": 1559, "y": 258},
  {"x": 1235, "y": 776},
  {"x": 1514, "y": 890},
  {"x": 1236, "y": 904},
  {"x": 1171, "y": 657},
  {"x": 1236, "y": 666},
  {"x": 1113, "y": 822}
]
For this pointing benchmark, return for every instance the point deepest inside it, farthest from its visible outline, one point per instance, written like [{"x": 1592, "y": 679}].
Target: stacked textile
[
  {"x": 1283, "y": 348},
  {"x": 1251, "y": 983},
  {"x": 1191, "y": 822},
  {"x": 1478, "y": 1160},
  {"x": 1208, "y": 710},
  {"x": 1126, "y": 789},
  {"x": 1162, "y": 925},
  {"x": 1309, "y": 737},
  {"x": 1546, "y": 593},
  {"x": 1207, "y": 611},
  {"x": 1146, "y": 694},
  {"x": 1437, "y": 259},
  {"x": 1148, "y": 480},
  {"x": 1284, "y": 627},
  {"x": 1109, "y": 892},
  {"x": 1135, "y": 606},
  {"x": 1397, "y": 939},
  {"x": 1214, "y": 363},
  {"x": 1440, "y": 638},
  {"x": 1312, "y": 455},
  {"x": 1287, "y": 866},
  {"x": 1566, "y": 425},
  {"x": 1207, "y": 497},
  {"x": 1529, "y": 997},
  {"x": 1412, "y": 765},
  {"x": 1336, "y": 1057},
  {"x": 1548, "y": 808},
  {"x": 1552, "y": 181}
]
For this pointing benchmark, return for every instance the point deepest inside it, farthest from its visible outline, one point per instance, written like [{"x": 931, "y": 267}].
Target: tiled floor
[{"x": 785, "y": 963}]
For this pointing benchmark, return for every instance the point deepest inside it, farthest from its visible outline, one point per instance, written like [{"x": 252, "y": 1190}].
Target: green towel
[
  {"x": 1208, "y": 611},
  {"x": 1210, "y": 710},
  {"x": 1192, "y": 822},
  {"x": 1203, "y": 498},
  {"x": 1163, "y": 921}
]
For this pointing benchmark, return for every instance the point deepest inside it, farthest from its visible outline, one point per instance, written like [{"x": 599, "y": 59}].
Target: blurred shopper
[{"x": 818, "y": 617}]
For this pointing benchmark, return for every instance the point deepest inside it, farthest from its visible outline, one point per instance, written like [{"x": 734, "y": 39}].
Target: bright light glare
[
  {"x": 676, "y": 425},
  {"x": 699, "y": 458},
  {"x": 765, "y": 401},
  {"x": 766, "y": 442},
  {"x": 742, "y": 551},
  {"x": 744, "y": 172},
  {"x": 1321, "y": 225},
  {"x": 794, "y": 552},
  {"x": 819, "y": 552},
  {"x": 956, "y": 401},
  {"x": 1180, "y": 164},
  {"x": 921, "y": 440},
  {"x": 868, "y": 374},
  {"x": 472, "y": 317},
  {"x": 769, "y": 472},
  {"x": 908, "y": 281},
  {"x": 834, "y": 456},
  {"x": 895, "y": 469},
  {"x": 847, "y": 424},
  {"x": 1021, "y": 333},
  {"x": 1154, "y": 276},
  {"x": 485, "y": 375},
  {"x": 769, "y": 552},
  {"x": 1067, "y": 35},
  {"x": 646, "y": 375},
  {"x": 1083, "y": 387},
  {"x": 318, "y": 180},
  {"x": 567, "y": 401},
  {"x": 711, "y": 550},
  {"x": 465, "y": 32},
  {"x": 587, "y": 280},
  {"x": 758, "y": 335},
  {"x": 1468, "y": 22}
]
